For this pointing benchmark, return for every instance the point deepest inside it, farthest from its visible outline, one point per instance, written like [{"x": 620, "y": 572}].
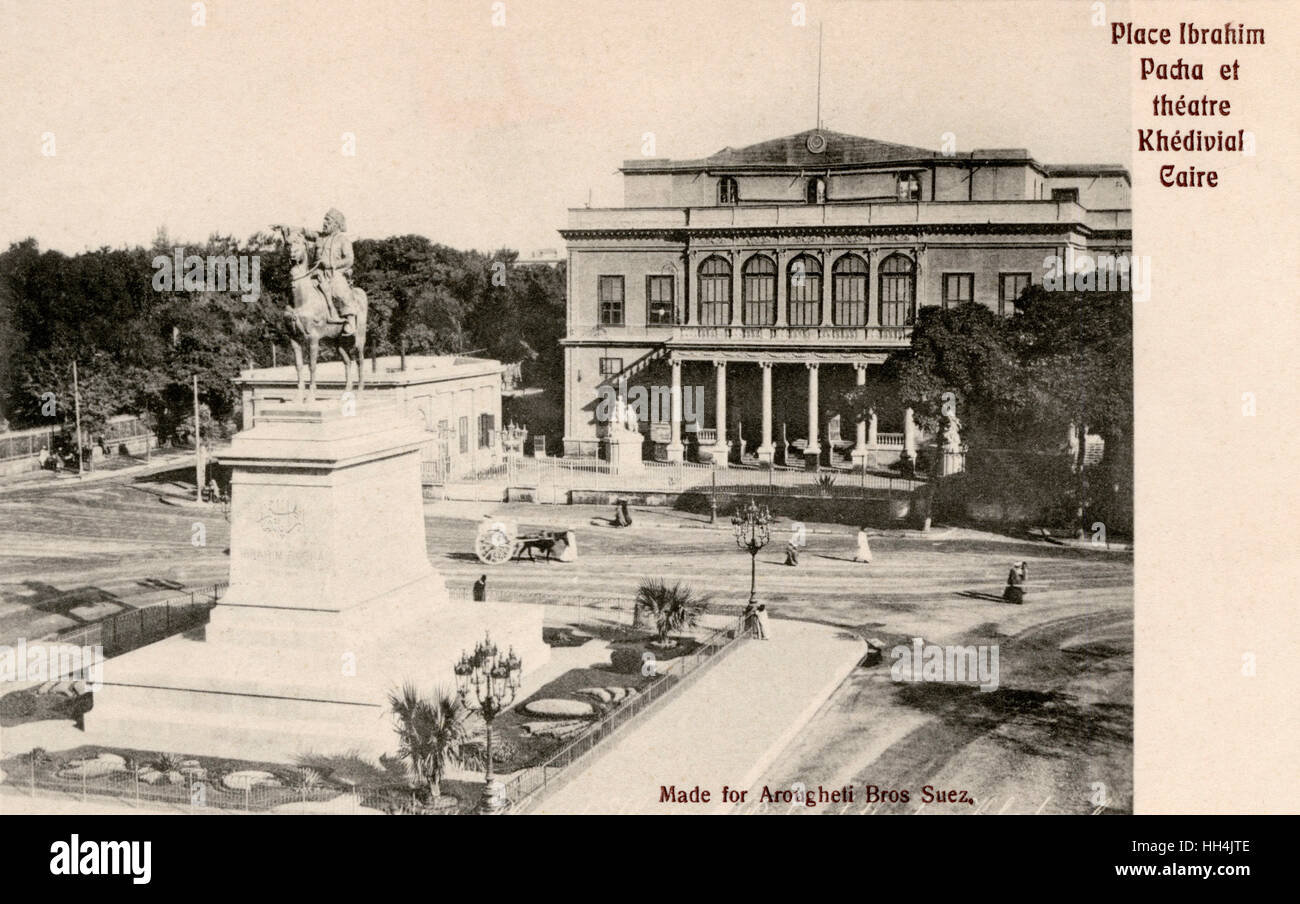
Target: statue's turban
[{"x": 337, "y": 216}]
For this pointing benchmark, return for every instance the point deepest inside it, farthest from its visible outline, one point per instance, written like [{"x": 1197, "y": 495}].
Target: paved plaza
[{"x": 1060, "y": 722}]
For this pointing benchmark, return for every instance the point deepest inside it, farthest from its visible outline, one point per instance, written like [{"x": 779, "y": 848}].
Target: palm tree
[
  {"x": 430, "y": 733},
  {"x": 672, "y": 608}
]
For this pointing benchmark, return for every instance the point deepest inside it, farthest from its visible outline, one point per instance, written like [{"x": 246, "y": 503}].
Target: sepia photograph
[{"x": 539, "y": 408}]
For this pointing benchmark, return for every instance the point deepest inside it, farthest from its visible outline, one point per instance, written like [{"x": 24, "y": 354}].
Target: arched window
[
  {"x": 816, "y": 191},
  {"x": 897, "y": 290},
  {"x": 715, "y": 292},
  {"x": 805, "y": 291},
  {"x": 759, "y": 286},
  {"x": 728, "y": 191},
  {"x": 849, "y": 291}
]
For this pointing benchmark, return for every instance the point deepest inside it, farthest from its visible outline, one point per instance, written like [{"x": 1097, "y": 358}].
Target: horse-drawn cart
[{"x": 499, "y": 541}]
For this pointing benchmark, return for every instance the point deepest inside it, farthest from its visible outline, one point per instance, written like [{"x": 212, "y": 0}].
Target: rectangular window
[
  {"x": 1065, "y": 194},
  {"x": 760, "y": 299},
  {"x": 611, "y": 300},
  {"x": 610, "y": 366},
  {"x": 486, "y": 423},
  {"x": 1010, "y": 287},
  {"x": 804, "y": 292},
  {"x": 958, "y": 288},
  {"x": 909, "y": 187},
  {"x": 659, "y": 300},
  {"x": 464, "y": 435}
]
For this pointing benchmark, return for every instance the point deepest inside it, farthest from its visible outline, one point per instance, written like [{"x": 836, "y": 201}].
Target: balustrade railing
[{"x": 879, "y": 335}]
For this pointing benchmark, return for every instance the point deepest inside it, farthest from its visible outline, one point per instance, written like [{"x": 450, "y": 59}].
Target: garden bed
[
  {"x": 515, "y": 746},
  {"x": 382, "y": 787}
]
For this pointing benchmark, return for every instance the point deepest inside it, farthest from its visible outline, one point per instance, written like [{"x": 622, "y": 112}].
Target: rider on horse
[{"x": 334, "y": 266}]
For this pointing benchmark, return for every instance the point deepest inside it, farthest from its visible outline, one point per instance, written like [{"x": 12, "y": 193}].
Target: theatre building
[{"x": 740, "y": 289}]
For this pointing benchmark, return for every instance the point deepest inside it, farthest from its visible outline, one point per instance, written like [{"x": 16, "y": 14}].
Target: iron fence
[
  {"x": 623, "y": 606},
  {"x": 552, "y": 479},
  {"x": 125, "y": 631},
  {"x": 136, "y": 786},
  {"x": 28, "y": 443}
]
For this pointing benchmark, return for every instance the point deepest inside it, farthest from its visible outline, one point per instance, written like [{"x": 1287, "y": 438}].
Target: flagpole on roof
[{"x": 819, "y": 75}]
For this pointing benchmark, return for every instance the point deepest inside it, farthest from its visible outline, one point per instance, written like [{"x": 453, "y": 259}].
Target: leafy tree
[
  {"x": 1076, "y": 350},
  {"x": 139, "y": 348},
  {"x": 965, "y": 351},
  {"x": 1064, "y": 358}
]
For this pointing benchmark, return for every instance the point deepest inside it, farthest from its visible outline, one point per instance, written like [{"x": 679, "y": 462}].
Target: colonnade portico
[{"x": 812, "y": 362}]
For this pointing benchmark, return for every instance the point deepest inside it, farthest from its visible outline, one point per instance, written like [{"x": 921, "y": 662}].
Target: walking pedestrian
[
  {"x": 864, "y": 547},
  {"x": 1015, "y": 589},
  {"x": 622, "y": 517},
  {"x": 791, "y": 552}
]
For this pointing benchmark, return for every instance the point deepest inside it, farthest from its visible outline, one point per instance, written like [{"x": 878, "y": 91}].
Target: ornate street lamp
[
  {"x": 495, "y": 680},
  {"x": 751, "y": 525}
]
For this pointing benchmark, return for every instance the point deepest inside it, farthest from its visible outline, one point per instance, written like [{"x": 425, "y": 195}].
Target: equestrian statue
[{"x": 325, "y": 303}]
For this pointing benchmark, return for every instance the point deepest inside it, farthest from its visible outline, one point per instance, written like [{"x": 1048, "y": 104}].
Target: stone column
[
  {"x": 813, "y": 451},
  {"x": 860, "y": 441},
  {"x": 675, "y": 448},
  {"x": 721, "y": 446},
  {"x": 909, "y": 436},
  {"x": 766, "y": 450}
]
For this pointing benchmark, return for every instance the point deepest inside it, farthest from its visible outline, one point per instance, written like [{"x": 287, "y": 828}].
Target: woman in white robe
[{"x": 864, "y": 548}]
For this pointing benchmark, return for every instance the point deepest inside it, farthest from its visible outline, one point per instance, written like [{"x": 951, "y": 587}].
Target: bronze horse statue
[{"x": 309, "y": 319}]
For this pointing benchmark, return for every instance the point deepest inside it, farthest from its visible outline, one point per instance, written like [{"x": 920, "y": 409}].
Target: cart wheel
[{"x": 495, "y": 546}]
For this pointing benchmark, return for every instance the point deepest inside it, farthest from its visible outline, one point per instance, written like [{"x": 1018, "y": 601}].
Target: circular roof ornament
[{"x": 816, "y": 142}]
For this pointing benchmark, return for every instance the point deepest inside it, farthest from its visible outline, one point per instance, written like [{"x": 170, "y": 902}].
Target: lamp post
[
  {"x": 495, "y": 680},
  {"x": 751, "y": 525}
]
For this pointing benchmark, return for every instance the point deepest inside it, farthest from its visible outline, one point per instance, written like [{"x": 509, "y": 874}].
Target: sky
[{"x": 482, "y": 135}]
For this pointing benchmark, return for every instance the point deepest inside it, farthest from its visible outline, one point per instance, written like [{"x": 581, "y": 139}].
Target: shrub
[
  {"x": 672, "y": 608},
  {"x": 504, "y": 753},
  {"x": 430, "y": 732},
  {"x": 626, "y": 660}
]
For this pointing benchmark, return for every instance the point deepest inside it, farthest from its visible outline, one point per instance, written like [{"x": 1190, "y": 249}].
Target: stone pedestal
[
  {"x": 624, "y": 448},
  {"x": 332, "y": 603},
  {"x": 952, "y": 460}
]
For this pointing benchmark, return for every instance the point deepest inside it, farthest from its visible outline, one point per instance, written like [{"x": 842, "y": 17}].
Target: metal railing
[
  {"x": 835, "y": 335},
  {"x": 623, "y": 606},
  {"x": 203, "y": 794},
  {"x": 530, "y": 785},
  {"x": 125, "y": 631},
  {"x": 855, "y": 213},
  {"x": 27, "y": 443},
  {"x": 553, "y": 478}
]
